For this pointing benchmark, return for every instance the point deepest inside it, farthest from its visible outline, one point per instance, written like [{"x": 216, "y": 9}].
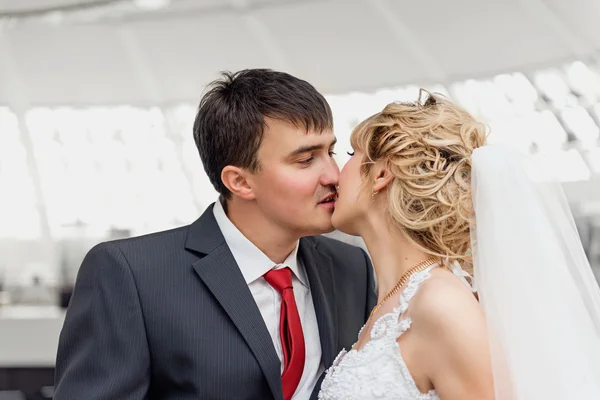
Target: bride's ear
[{"x": 382, "y": 176}]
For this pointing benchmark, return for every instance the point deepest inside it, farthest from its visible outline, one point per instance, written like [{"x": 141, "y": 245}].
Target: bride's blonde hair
[{"x": 427, "y": 146}]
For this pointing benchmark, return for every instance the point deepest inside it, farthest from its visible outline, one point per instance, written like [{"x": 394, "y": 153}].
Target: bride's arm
[{"x": 454, "y": 340}]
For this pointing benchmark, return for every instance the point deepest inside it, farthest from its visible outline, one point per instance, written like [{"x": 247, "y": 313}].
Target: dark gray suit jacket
[{"x": 170, "y": 316}]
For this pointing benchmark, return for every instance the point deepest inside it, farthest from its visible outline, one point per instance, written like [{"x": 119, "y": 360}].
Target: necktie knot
[{"x": 279, "y": 279}]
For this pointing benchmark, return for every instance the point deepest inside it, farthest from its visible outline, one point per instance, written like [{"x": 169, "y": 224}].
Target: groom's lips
[{"x": 329, "y": 200}]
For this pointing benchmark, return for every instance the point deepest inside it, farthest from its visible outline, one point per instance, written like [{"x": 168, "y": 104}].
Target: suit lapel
[
  {"x": 320, "y": 275},
  {"x": 222, "y": 276}
]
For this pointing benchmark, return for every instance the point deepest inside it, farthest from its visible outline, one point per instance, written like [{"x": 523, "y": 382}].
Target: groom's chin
[{"x": 319, "y": 229}]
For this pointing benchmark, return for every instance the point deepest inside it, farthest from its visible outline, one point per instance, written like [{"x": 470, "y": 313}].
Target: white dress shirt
[{"x": 253, "y": 264}]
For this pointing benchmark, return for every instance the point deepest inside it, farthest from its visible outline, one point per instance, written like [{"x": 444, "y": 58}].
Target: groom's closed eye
[{"x": 311, "y": 149}]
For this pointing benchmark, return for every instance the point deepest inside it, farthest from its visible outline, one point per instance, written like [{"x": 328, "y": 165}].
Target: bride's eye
[{"x": 350, "y": 153}]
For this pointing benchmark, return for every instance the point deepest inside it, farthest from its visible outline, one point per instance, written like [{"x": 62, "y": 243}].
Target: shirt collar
[{"x": 253, "y": 263}]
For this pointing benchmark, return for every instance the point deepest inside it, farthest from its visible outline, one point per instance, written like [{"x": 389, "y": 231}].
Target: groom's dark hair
[{"x": 229, "y": 124}]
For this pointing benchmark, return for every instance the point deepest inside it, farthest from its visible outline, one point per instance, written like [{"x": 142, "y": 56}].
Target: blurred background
[{"x": 97, "y": 100}]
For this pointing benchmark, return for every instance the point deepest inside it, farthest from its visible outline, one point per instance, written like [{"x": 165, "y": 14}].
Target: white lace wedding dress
[{"x": 378, "y": 371}]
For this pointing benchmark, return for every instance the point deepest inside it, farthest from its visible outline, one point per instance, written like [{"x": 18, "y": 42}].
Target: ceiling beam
[{"x": 408, "y": 40}]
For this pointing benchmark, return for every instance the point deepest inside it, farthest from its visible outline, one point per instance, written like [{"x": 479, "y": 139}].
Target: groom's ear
[
  {"x": 236, "y": 180},
  {"x": 381, "y": 175}
]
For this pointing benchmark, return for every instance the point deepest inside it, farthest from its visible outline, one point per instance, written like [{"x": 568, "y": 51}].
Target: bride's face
[{"x": 353, "y": 201}]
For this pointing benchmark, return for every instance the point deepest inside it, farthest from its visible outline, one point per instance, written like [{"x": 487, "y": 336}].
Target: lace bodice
[{"x": 378, "y": 371}]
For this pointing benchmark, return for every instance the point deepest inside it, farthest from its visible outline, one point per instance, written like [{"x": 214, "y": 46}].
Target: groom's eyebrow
[{"x": 308, "y": 149}]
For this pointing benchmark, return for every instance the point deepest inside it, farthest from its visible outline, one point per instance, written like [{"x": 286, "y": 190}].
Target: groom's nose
[{"x": 331, "y": 174}]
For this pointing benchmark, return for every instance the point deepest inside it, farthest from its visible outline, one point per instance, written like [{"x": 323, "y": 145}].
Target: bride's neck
[{"x": 391, "y": 253}]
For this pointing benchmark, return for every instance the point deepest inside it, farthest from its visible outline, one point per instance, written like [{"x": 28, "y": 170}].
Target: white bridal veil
[{"x": 535, "y": 284}]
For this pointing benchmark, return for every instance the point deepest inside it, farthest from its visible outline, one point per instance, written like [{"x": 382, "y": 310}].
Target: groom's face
[{"x": 297, "y": 173}]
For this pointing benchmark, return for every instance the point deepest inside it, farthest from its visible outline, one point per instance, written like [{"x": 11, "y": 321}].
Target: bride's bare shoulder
[
  {"x": 450, "y": 329},
  {"x": 445, "y": 299}
]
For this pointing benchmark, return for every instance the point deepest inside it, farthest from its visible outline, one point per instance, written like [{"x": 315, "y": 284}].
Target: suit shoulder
[
  {"x": 122, "y": 257},
  {"x": 150, "y": 240}
]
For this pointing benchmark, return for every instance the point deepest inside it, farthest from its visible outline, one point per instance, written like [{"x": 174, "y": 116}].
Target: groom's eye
[
  {"x": 306, "y": 160},
  {"x": 332, "y": 153}
]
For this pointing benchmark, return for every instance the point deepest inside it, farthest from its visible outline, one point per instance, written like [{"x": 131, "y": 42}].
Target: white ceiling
[{"x": 121, "y": 55}]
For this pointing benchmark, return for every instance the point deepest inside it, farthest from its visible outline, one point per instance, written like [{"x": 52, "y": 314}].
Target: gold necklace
[{"x": 405, "y": 277}]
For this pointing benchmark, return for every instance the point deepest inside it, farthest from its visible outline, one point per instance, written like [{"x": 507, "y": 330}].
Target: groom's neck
[{"x": 275, "y": 242}]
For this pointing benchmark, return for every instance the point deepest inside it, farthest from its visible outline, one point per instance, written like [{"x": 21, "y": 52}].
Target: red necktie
[{"x": 290, "y": 331}]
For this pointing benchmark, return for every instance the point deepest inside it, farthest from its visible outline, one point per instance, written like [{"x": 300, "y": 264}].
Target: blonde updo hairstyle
[{"x": 426, "y": 146}]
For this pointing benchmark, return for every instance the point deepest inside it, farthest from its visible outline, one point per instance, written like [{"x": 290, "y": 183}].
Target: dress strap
[{"x": 413, "y": 285}]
